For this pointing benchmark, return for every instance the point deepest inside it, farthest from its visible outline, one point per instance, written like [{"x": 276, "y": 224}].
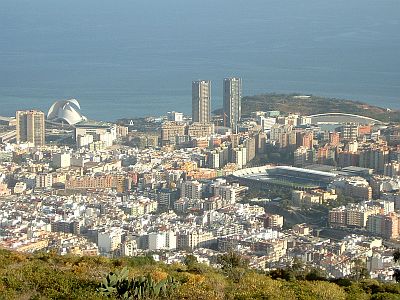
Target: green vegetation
[
  {"x": 315, "y": 105},
  {"x": 48, "y": 276},
  {"x": 119, "y": 285}
]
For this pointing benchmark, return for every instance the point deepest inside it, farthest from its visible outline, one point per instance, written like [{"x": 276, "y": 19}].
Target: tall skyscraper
[
  {"x": 30, "y": 127},
  {"x": 201, "y": 101},
  {"x": 232, "y": 102}
]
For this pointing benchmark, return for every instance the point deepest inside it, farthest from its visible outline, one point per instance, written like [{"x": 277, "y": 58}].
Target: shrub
[
  {"x": 385, "y": 296},
  {"x": 120, "y": 286}
]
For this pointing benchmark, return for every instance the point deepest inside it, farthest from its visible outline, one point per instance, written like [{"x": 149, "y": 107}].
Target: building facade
[
  {"x": 30, "y": 127},
  {"x": 201, "y": 101},
  {"x": 232, "y": 102}
]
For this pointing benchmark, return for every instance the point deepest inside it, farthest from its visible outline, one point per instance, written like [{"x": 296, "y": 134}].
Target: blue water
[{"x": 126, "y": 58}]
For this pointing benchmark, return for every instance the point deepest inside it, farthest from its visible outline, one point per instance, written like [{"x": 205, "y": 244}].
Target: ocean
[{"x": 129, "y": 58}]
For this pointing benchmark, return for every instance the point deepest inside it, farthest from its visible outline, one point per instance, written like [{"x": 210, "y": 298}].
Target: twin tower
[{"x": 201, "y": 101}]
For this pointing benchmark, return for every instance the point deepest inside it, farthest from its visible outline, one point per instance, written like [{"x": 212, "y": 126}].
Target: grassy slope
[
  {"x": 46, "y": 276},
  {"x": 314, "y": 105}
]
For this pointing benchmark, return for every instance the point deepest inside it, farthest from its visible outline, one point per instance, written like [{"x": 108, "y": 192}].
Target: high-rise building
[
  {"x": 392, "y": 169},
  {"x": 191, "y": 189},
  {"x": 334, "y": 138},
  {"x": 201, "y": 101},
  {"x": 272, "y": 221},
  {"x": 374, "y": 157},
  {"x": 170, "y": 130},
  {"x": 239, "y": 156},
  {"x": 305, "y": 139},
  {"x": 30, "y": 127},
  {"x": 350, "y": 131},
  {"x": 303, "y": 156},
  {"x": 61, "y": 160},
  {"x": 384, "y": 225},
  {"x": 232, "y": 101},
  {"x": 198, "y": 130}
]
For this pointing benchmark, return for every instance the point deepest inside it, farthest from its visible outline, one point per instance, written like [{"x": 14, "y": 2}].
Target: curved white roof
[
  {"x": 264, "y": 169},
  {"x": 66, "y": 111},
  {"x": 339, "y": 117}
]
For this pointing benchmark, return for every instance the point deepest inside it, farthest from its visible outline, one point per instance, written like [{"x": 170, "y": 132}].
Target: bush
[
  {"x": 317, "y": 290},
  {"x": 139, "y": 261},
  {"x": 48, "y": 276},
  {"x": 355, "y": 292},
  {"x": 120, "y": 286},
  {"x": 257, "y": 286},
  {"x": 385, "y": 296}
]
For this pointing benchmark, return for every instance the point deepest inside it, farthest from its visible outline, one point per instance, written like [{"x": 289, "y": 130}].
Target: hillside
[
  {"x": 48, "y": 276},
  {"x": 292, "y": 103}
]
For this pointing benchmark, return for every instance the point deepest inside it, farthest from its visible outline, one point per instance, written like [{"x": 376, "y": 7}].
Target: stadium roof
[{"x": 338, "y": 117}]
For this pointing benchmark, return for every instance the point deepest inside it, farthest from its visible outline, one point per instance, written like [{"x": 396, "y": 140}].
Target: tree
[
  {"x": 359, "y": 270},
  {"x": 315, "y": 274},
  {"x": 396, "y": 275},
  {"x": 232, "y": 260},
  {"x": 297, "y": 265},
  {"x": 285, "y": 204},
  {"x": 396, "y": 271},
  {"x": 234, "y": 265},
  {"x": 287, "y": 274},
  {"x": 396, "y": 255},
  {"x": 190, "y": 260}
]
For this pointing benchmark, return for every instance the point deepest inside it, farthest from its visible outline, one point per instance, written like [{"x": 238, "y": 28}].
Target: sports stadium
[{"x": 285, "y": 176}]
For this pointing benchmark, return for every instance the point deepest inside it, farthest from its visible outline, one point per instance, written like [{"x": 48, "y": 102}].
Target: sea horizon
[{"x": 128, "y": 59}]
